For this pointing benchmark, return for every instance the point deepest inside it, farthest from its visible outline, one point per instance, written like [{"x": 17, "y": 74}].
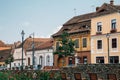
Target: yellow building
[
  {"x": 105, "y": 34},
  {"x": 78, "y": 28}
]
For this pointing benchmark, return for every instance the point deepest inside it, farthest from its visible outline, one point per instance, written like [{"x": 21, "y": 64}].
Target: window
[
  {"x": 99, "y": 27},
  {"x": 85, "y": 60},
  {"x": 18, "y": 64},
  {"x": 40, "y": 60},
  {"x": 77, "y": 43},
  {"x": 99, "y": 44},
  {"x": 48, "y": 60},
  {"x": 113, "y": 24},
  {"x": 70, "y": 61},
  {"x": 14, "y": 64},
  {"x": 57, "y": 45},
  {"x": 84, "y": 42},
  {"x": 99, "y": 59},
  {"x": 114, "y": 59},
  {"x": 28, "y": 60},
  {"x": 114, "y": 43}
]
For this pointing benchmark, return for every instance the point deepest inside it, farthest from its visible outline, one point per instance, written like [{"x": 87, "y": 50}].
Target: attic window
[
  {"x": 79, "y": 27},
  {"x": 102, "y": 10},
  {"x": 66, "y": 29},
  {"x": 85, "y": 27}
]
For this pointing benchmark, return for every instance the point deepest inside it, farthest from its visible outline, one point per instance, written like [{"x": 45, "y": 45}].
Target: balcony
[
  {"x": 98, "y": 33},
  {"x": 113, "y": 30}
]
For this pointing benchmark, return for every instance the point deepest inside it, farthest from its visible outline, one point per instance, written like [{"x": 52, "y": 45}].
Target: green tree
[
  {"x": 66, "y": 47},
  {"x": 9, "y": 60}
]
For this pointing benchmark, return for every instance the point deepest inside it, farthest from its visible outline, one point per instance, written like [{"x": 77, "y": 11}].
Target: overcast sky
[{"x": 43, "y": 17}]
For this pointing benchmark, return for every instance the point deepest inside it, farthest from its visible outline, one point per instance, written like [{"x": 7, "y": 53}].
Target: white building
[
  {"x": 27, "y": 44},
  {"x": 43, "y": 55},
  {"x": 18, "y": 58}
]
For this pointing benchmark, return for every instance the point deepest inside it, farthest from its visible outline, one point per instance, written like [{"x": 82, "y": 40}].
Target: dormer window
[
  {"x": 99, "y": 27},
  {"x": 66, "y": 29},
  {"x": 113, "y": 24}
]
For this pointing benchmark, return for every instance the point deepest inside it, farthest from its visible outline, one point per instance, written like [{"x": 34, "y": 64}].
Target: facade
[
  {"x": 5, "y": 51},
  {"x": 4, "y": 54},
  {"x": 27, "y": 44},
  {"x": 96, "y": 35},
  {"x": 18, "y": 58},
  {"x": 105, "y": 34},
  {"x": 79, "y": 28},
  {"x": 43, "y": 55}
]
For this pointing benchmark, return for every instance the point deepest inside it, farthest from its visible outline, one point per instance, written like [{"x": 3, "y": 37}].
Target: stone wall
[{"x": 100, "y": 70}]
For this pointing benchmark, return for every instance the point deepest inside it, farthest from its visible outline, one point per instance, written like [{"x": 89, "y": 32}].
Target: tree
[
  {"x": 66, "y": 47},
  {"x": 9, "y": 60}
]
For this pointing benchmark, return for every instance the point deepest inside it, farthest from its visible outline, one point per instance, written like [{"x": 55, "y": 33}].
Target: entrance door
[{"x": 61, "y": 62}]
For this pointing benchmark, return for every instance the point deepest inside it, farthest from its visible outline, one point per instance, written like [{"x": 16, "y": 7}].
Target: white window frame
[
  {"x": 115, "y": 22},
  {"x": 99, "y": 24},
  {"x": 86, "y": 42}
]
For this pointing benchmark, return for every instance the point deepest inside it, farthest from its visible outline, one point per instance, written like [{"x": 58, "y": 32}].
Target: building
[
  {"x": 43, "y": 55},
  {"x": 105, "y": 34},
  {"x": 4, "y": 55},
  {"x": 79, "y": 28},
  {"x": 5, "y": 51},
  {"x": 27, "y": 44}
]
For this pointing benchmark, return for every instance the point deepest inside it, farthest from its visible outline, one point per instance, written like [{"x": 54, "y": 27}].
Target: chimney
[
  {"x": 97, "y": 8},
  {"x": 112, "y": 2}
]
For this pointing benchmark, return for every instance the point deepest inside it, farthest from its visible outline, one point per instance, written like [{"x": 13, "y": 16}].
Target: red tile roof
[
  {"x": 29, "y": 41},
  {"x": 45, "y": 45},
  {"x": 2, "y": 44}
]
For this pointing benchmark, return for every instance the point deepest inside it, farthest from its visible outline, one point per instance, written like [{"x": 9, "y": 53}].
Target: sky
[{"x": 41, "y": 17}]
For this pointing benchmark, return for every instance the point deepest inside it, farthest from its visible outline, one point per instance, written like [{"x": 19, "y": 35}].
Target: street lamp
[
  {"x": 108, "y": 36},
  {"x": 22, "y": 33},
  {"x": 33, "y": 50}
]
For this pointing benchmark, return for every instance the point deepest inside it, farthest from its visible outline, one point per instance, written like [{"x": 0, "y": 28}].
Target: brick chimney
[{"x": 112, "y": 2}]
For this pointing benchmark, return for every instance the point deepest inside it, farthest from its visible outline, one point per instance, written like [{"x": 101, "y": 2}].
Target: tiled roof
[
  {"x": 45, "y": 45},
  {"x": 29, "y": 41},
  {"x": 107, "y": 9},
  {"x": 3, "y": 48},
  {"x": 79, "y": 18},
  {"x": 2, "y": 44},
  {"x": 76, "y": 24},
  {"x": 4, "y": 54},
  {"x": 80, "y": 27}
]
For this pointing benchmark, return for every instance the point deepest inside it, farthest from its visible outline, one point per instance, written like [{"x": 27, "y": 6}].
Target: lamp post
[
  {"x": 33, "y": 50},
  {"x": 108, "y": 36},
  {"x": 22, "y": 33}
]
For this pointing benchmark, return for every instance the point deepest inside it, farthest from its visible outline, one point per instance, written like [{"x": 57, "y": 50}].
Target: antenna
[{"x": 75, "y": 11}]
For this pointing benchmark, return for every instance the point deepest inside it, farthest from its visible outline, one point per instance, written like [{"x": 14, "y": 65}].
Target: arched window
[
  {"x": 40, "y": 60},
  {"x": 48, "y": 60},
  {"x": 28, "y": 60}
]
